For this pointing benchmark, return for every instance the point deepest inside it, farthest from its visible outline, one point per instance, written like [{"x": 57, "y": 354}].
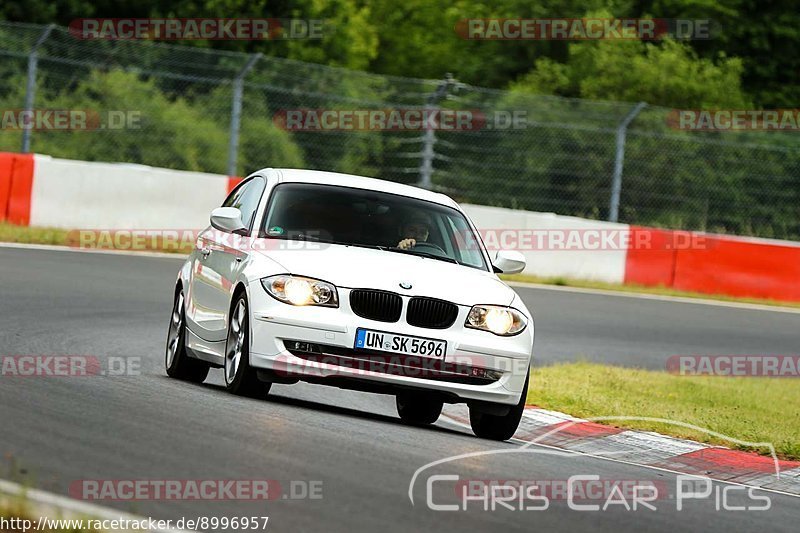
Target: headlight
[
  {"x": 505, "y": 321},
  {"x": 297, "y": 290}
]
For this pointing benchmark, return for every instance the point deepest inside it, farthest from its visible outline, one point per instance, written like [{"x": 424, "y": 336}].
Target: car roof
[{"x": 292, "y": 175}]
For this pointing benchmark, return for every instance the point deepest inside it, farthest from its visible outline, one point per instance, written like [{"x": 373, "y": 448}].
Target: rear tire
[
  {"x": 418, "y": 409},
  {"x": 178, "y": 363},
  {"x": 240, "y": 378},
  {"x": 495, "y": 427}
]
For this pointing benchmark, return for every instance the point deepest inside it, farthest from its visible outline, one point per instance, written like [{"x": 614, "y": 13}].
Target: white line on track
[
  {"x": 661, "y": 297},
  {"x": 57, "y": 248}
]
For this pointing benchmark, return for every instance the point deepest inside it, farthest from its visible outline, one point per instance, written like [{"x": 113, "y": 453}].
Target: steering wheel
[{"x": 430, "y": 246}]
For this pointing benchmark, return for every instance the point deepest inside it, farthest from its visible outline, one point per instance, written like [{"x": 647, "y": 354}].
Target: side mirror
[
  {"x": 509, "y": 262},
  {"x": 228, "y": 219}
]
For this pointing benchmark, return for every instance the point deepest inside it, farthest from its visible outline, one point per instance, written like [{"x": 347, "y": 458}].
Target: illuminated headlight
[
  {"x": 297, "y": 290},
  {"x": 505, "y": 321}
]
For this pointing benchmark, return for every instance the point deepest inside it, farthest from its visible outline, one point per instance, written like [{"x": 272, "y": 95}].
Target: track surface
[{"x": 57, "y": 430}]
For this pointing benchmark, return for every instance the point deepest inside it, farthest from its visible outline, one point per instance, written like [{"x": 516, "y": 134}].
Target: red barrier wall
[
  {"x": 651, "y": 258},
  {"x": 740, "y": 267},
  {"x": 16, "y": 185},
  {"x": 233, "y": 181},
  {"x": 713, "y": 264},
  {"x": 6, "y": 166},
  {"x": 19, "y": 200}
]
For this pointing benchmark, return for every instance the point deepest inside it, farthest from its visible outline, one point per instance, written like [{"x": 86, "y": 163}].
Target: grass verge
[
  {"x": 28, "y": 235},
  {"x": 753, "y": 409},
  {"x": 641, "y": 289},
  {"x": 16, "y": 516},
  {"x": 105, "y": 241}
]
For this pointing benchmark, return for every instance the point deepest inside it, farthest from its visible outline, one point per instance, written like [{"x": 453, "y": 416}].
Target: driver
[{"x": 415, "y": 228}]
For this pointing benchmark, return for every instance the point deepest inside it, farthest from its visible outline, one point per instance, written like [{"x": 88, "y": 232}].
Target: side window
[
  {"x": 246, "y": 197},
  {"x": 469, "y": 249}
]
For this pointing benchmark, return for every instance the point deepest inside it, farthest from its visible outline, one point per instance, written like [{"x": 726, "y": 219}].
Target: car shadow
[{"x": 330, "y": 408}]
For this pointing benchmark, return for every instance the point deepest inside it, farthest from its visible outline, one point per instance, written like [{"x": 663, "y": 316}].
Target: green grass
[
  {"x": 9, "y": 511},
  {"x": 62, "y": 237},
  {"x": 753, "y": 409},
  {"x": 25, "y": 234},
  {"x": 642, "y": 289}
]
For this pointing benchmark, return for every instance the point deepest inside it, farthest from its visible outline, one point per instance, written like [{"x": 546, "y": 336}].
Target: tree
[{"x": 668, "y": 74}]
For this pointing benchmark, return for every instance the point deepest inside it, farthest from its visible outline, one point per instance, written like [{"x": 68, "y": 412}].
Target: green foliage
[
  {"x": 417, "y": 38},
  {"x": 667, "y": 74},
  {"x": 349, "y": 39},
  {"x": 261, "y": 143},
  {"x": 171, "y": 132},
  {"x": 194, "y": 141},
  {"x": 563, "y": 161}
]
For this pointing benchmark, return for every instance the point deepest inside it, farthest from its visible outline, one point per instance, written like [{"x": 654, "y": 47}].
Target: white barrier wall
[
  {"x": 42, "y": 191},
  {"x": 548, "y": 258},
  {"x": 87, "y": 195}
]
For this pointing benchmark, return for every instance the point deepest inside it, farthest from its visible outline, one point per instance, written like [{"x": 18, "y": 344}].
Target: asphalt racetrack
[{"x": 56, "y": 430}]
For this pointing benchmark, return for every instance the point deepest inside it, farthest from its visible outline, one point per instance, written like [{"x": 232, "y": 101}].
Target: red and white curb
[{"x": 562, "y": 431}]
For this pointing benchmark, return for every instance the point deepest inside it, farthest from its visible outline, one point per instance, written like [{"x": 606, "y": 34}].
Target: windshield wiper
[
  {"x": 314, "y": 238},
  {"x": 356, "y": 244},
  {"x": 421, "y": 254}
]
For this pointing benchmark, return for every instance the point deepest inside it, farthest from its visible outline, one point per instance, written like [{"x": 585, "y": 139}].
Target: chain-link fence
[{"x": 198, "y": 109}]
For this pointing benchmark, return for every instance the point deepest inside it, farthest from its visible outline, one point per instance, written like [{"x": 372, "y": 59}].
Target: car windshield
[{"x": 358, "y": 217}]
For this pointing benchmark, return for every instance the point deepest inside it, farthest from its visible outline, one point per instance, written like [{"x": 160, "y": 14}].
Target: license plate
[{"x": 368, "y": 339}]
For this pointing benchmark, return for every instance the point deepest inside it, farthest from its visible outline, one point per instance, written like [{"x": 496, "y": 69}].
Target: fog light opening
[{"x": 305, "y": 347}]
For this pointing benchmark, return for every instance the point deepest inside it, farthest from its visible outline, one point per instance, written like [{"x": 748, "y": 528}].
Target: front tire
[
  {"x": 240, "y": 377},
  {"x": 496, "y": 427},
  {"x": 418, "y": 409},
  {"x": 178, "y": 363}
]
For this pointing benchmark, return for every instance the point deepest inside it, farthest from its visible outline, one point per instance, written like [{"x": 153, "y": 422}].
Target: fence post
[
  {"x": 616, "y": 183},
  {"x": 429, "y": 138},
  {"x": 236, "y": 113},
  {"x": 30, "y": 89}
]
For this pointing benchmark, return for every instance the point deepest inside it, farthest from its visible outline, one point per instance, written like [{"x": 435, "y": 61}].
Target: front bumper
[{"x": 502, "y": 362}]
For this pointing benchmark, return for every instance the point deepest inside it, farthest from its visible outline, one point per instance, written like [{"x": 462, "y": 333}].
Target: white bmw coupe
[{"x": 357, "y": 283}]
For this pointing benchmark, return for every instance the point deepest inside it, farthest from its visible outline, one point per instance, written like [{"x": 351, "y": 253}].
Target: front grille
[
  {"x": 431, "y": 313},
  {"x": 376, "y": 305}
]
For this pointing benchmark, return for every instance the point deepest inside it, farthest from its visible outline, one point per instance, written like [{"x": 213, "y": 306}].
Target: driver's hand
[{"x": 405, "y": 244}]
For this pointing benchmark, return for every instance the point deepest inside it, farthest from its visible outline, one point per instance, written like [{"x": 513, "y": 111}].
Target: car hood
[{"x": 356, "y": 267}]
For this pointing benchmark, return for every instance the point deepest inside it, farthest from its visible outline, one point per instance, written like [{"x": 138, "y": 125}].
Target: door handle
[{"x": 206, "y": 252}]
